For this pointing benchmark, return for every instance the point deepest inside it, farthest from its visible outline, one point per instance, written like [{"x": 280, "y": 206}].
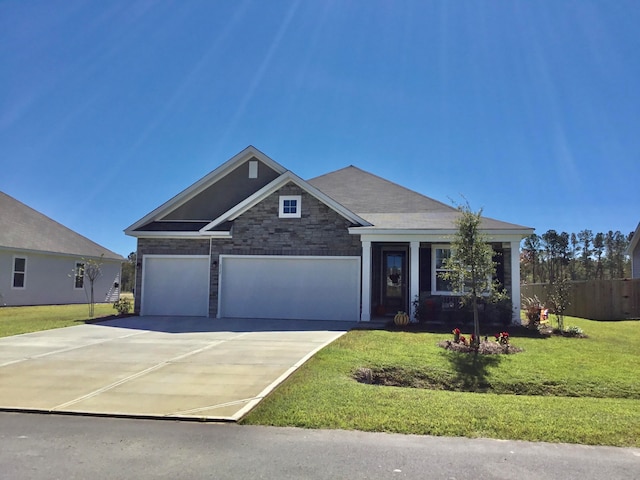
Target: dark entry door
[{"x": 394, "y": 281}]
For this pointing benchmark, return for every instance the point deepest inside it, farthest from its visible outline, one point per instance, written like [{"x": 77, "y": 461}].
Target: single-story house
[
  {"x": 42, "y": 262},
  {"x": 633, "y": 250},
  {"x": 253, "y": 240}
]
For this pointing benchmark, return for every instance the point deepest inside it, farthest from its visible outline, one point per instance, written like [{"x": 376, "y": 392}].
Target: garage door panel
[
  {"x": 318, "y": 288},
  {"x": 176, "y": 286}
]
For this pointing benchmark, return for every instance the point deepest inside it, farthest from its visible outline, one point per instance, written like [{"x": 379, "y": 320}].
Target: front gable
[
  {"x": 226, "y": 193},
  {"x": 284, "y": 179},
  {"x": 318, "y": 230},
  {"x": 208, "y": 198}
]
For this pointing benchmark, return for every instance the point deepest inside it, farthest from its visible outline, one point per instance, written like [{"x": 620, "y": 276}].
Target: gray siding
[
  {"x": 224, "y": 194},
  {"x": 50, "y": 280},
  {"x": 635, "y": 262}
]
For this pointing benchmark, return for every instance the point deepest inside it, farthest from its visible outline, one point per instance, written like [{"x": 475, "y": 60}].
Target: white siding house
[{"x": 41, "y": 261}]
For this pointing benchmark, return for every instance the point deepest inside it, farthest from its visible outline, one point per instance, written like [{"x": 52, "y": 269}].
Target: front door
[{"x": 394, "y": 281}]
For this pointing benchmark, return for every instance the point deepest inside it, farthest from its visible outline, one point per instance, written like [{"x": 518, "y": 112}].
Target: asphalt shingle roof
[
  {"x": 391, "y": 206},
  {"x": 22, "y": 227}
]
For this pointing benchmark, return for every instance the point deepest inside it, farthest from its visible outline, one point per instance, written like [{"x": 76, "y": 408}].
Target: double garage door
[{"x": 280, "y": 287}]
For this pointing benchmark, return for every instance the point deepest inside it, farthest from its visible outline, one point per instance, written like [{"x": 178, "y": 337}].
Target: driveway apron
[{"x": 178, "y": 367}]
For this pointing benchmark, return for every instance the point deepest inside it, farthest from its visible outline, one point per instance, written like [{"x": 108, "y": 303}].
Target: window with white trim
[
  {"x": 440, "y": 253},
  {"x": 290, "y": 206},
  {"x": 78, "y": 278},
  {"x": 19, "y": 274}
]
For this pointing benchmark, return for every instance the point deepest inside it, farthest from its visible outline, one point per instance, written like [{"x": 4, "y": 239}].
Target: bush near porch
[
  {"x": 448, "y": 310},
  {"x": 586, "y": 389}
]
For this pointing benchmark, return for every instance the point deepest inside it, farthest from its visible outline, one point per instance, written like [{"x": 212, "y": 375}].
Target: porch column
[
  {"x": 515, "y": 282},
  {"x": 365, "y": 313},
  {"x": 414, "y": 275}
]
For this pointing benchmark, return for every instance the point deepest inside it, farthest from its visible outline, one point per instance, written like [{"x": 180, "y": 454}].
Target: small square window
[{"x": 290, "y": 206}]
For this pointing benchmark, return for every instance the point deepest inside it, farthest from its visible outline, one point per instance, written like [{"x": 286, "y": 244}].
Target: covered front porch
[{"x": 397, "y": 270}]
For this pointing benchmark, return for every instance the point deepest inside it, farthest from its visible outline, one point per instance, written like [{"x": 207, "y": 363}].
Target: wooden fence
[{"x": 597, "y": 299}]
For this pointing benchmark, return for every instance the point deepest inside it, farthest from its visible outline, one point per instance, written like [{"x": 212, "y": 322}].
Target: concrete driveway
[{"x": 177, "y": 367}]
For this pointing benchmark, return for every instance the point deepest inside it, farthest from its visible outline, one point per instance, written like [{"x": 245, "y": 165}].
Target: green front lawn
[
  {"x": 17, "y": 320},
  {"x": 572, "y": 390}
]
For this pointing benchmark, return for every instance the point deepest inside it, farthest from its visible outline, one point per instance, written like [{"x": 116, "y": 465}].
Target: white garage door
[
  {"x": 175, "y": 285},
  {"x": 309, "y": 288}
]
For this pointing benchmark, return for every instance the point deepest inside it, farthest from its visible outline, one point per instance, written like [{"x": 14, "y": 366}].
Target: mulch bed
[{"x": 485, "y": 348}]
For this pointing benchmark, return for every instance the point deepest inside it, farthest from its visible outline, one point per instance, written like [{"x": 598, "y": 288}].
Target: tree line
[
  {"x": 128, "y": 276},
  {"x": 582, "y": 256}
]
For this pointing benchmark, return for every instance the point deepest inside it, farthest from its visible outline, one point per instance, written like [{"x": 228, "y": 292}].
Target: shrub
[
  {"x": 532, "y": 306},
  {"x": 573, "y": 331},
  {"x": 122, "y": 305},
  {"x": 426, "y": 307}
]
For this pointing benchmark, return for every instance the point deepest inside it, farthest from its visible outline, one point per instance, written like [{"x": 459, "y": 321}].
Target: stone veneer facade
[{"x": 259, "y": 231}]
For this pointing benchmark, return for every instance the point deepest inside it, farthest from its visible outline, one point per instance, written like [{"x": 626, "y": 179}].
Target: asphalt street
[{"x": 41, "y": 446}]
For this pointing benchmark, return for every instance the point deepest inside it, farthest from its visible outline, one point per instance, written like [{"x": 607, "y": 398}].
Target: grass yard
[
  {"x": 570, "y": 389},
  {"x": 17, "y": 320}
]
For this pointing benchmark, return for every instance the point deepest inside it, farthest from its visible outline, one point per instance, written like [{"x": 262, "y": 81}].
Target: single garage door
[
  {"x": 288, "y": 287},
  {"x": 175, "y": 285}
]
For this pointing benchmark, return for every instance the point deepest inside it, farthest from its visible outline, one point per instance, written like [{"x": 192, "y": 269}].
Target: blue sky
[{"x": 528, "y": 109}]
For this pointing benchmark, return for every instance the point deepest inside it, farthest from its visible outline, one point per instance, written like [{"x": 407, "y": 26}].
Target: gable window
[
  {"x": 19, "y": 272},
  {"x": 78, "y": 278},
  {"x": 290, "y": 206}
]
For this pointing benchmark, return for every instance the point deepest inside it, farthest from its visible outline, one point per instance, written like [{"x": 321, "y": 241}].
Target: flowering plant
[
  {"x": 462, "y": 340},
  {"x": 502, "y": 338},
  {"x": 456, "y": 335}
]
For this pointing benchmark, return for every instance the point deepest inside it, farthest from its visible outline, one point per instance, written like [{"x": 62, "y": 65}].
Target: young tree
[
  {"x": 559, "y": 298},
  {"x": 90, "y": 269},
  {"x": 470, "y": 268}
]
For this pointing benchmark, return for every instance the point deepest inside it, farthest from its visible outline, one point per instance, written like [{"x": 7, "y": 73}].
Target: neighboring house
[
  {"x": 251, "y": 239},
  {"x": 41, "y": 261},
  {"x": 633, "y": 250}
]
